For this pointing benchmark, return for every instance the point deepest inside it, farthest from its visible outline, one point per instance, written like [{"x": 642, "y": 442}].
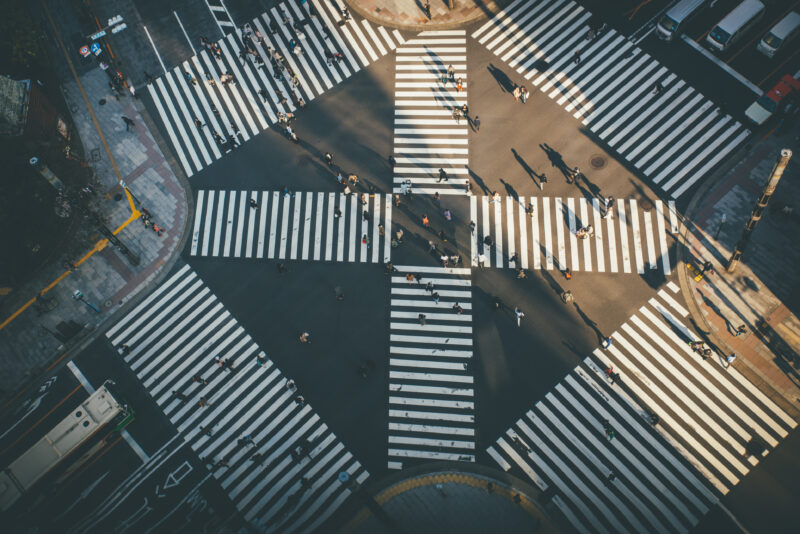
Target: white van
[
  {"x": 784, "y": 31},
  {"x": 670, "y": 24},
  {"x": 735, "y": 24}
]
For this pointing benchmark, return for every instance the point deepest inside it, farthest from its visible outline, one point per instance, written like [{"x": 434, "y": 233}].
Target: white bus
[
  {"x": 735, "y": 24},
  {"x": 673, "y": 20},
  {"x": 92, "y": 415}
]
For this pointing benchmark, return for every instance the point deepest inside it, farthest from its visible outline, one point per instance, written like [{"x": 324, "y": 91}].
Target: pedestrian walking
[
  {"x": 365, "y": 240},
  {"x": 253, "y": 203},
  {"x": 399, "y": 235},
  {"x": 517, "y": 92},
  {"x": 425, "y": 221},
  {"x": 198, "y": 123},
  {"x": 442, "y": 175},
  {"x": 609, "y": 430},
  {"x": 576, "y": 57},
  {"x": 448, "y": 215},
  {"x": 300, "y": 400},
  {"x": 514, "y": 258},
  {"x": 658, "y": 88},
  {"x": 392, "y": 161},
  {"x": 132, "y": 90},
  {"x": 338, "y": 292},
  {"x": 390, "y": 268},
  {"x": 519, "y": 314},
  {"x": 472, "y": 227},
  {"x": 363, "y": 199},
  {"x": 180, "y": 396},
  {"x": 459, "y": 85},
  {"x": 495, "y": 197},
  {"x": 521, "y": 274},
  {"x": 451, "y": 73},
  {"x": 607, "y": 342},
  {"x": 421, "y": 318},
  {"x": 608, "y": 207},
  {"x": 435, "y": 296},
  {"x": 128, "y": 123},
  {"x": 203, "y": 403},
  {"x": 207, "y": 431},
  {"x": 381, "y": 230},
  {"x": 365, "y": 215},
  {"x": 329, "y": 158},
  {"x": 458, "y": 309},
  {"x": 261, "y": 359},
  {"x": 729, "y": 359},
  {"x": 282, "y": 268},
  {"x": 410, "y": 277},
  {"x": 481, "y": 260},
  {"x": 741, "y": 330},
  {"x": 524, "y": 94},
  {"x": 337, "y": 213},
  {"x": 199, "y": 379},
  {"x": 148, "y": 78},
  {"x": 476, "y": 122},
  {"x": 437, "y": 198},
  {"x": 429, "y": 287},
  {"x": 305, "y": 337}
]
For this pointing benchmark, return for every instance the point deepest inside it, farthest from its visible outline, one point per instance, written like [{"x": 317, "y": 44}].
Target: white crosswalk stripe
[
  {"x": 252, "y": 103},
  {"x": 430, "y": 144},
  {"x": 590, "y": 441},
  {"x": 554, "y": 226},
  {"x": 431, "y": 386},
  {"x": 173, "y": 336},
  {"x": 620, "y": 93},
  {"x": 295, "y": 226}
]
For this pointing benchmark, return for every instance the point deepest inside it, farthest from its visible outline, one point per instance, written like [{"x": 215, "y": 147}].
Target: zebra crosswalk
[
  {"x": 431, "y": 386},
  {"x": 658, "y": 123},
  {"x": 292, "y": 225},
  {"x": 430, "y": 142},
  {"x": 626, "y": 240},
  {"x": 201, "y": 115},
  {"x": 285, "y": 478},
  {"x": 609, "y": 466}
]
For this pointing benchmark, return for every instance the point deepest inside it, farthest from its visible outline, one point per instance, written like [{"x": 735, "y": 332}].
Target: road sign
[
  {"x": 96, "y": 49},
  {"x": 97, "y": 35},
  {"x": 84, "y": 50}
]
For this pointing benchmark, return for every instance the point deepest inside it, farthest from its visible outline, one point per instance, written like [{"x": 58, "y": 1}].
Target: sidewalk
[
  {"x": 411, "y": 15},
  {"x": 107, "y": 279},
  {"x": 762, "y": 294}
]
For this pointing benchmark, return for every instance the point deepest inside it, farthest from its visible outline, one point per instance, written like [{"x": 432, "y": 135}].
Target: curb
[
  {"x": 490, "y": 8},
  {"x": 743, "y": 365},
  {"x": 352, "y": 515}
]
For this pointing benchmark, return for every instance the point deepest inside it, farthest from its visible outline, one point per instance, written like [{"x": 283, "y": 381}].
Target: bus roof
[{"x": 741, "y": 14}]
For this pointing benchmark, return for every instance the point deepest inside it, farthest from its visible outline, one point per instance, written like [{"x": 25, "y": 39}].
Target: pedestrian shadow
[
  {"x": 556, "y": 159},
  {"x": 478, "y": 181},
  {"x": 713, "y": 307},
  {"x": 591, "y": 324},
  {"x": 502, "y": 78},
  {"x": 510, "y": 191},
  {"x": 527, "y": 168}
]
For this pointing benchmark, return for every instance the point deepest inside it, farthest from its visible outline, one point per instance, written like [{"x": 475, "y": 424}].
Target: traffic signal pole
[{"x": 766, "y": 195}]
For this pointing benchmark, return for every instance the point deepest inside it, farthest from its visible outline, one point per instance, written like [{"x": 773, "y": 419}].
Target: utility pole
[{"x": 766, "y": 195}]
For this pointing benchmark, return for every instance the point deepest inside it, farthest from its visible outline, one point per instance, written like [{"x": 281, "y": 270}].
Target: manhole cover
[{"x": 597, "y": 162}]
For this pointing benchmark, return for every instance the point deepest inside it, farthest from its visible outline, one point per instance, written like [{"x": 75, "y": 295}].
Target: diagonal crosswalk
[
  {"x": 292, "y": 225},
  {"x": 654, "y": 120},
  {"x": 544, "y": 233},
  {"x": 430, "y": 142},
  {"x": 592, "y": 445},
  {"x": 287, "y": 478},
  {"x": 431, "y": 385},
  {"x": 302, "y": 53}
]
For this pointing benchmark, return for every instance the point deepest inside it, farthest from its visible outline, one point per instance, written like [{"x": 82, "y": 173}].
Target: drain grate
[{"x": 597, "y": 161}]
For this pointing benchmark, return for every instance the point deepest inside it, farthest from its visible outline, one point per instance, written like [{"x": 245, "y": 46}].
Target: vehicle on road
[
  {"x": 673, "y": 20},
  {"x": 735, "y": 24},
  {"x": 783, "y": 32},
  {"x": 774, "y": 100},
  {"x": 66, "y": 437}
]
